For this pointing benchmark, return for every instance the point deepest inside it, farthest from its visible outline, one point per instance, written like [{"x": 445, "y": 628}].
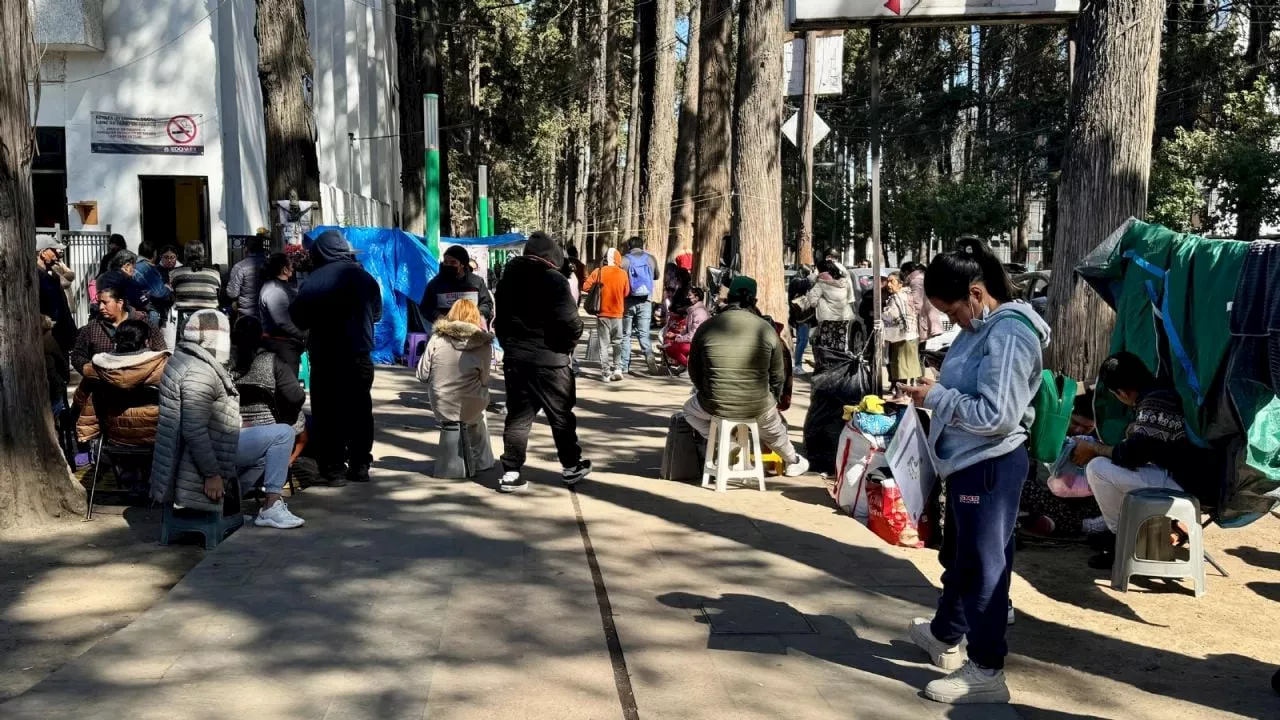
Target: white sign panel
[
  {"x": 911, "y": 463},
  {"x": 114, "y": 133},
  {"x": 803, "y": 14},
  {"x": 792, "y": 126},
  {"x": 828, "y": 65}
]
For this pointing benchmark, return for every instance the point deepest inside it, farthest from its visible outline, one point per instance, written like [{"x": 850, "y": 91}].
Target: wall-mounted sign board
[{"x": 811, "y": 14}]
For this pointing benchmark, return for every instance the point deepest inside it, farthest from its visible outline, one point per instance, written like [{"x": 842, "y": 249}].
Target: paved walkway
[{"x": 421, "y": 598}]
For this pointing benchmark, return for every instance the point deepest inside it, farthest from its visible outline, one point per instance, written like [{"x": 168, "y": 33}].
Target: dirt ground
[{"x": 65, "y": 587}]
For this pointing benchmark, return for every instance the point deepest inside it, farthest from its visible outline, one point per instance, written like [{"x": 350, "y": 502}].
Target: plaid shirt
[{"x": 98, "y": 336}]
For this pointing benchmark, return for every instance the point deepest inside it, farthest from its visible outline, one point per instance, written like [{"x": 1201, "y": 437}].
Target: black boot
[{"x": 358, "y": 473}]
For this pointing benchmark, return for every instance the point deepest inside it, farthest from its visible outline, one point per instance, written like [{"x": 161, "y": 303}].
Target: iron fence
[{"x": 84, "y": 251}]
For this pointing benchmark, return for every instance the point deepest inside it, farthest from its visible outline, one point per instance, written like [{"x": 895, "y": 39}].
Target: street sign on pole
[
  {"x": 810, "y": 14},
  {"x": 790, "y": 129},
  {"x": 828, "y": 63}
]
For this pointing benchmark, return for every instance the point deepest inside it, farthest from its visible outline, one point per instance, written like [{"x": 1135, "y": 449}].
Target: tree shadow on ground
[{"x": 1265, "y": 559}]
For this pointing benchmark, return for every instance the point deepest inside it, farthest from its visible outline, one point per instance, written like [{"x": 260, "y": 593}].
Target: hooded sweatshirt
[
  {"x": 339, "y": 303},
  {"x": 456, "y": 365},
  {"x": 537, "y": 321},
  {"x": 982, "y": 402},
  {"x": 446, "y": 288},
  {"x": 615, "y": 285}
]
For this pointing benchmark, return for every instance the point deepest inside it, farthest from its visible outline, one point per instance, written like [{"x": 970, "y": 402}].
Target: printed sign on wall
[{"x": 118, "y": 134}]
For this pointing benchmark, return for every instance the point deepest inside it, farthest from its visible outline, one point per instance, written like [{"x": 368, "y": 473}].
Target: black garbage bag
[{"x": 845, "y": 382}]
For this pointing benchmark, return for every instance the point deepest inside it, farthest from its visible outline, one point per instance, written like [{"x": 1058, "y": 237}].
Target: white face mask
[{"x": 979, "y": 317}]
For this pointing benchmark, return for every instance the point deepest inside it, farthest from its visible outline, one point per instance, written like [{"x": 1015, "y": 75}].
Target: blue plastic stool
[{"x": 215, "y": 527}]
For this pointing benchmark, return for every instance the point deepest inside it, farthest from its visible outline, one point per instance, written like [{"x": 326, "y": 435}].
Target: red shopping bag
[{"x": 887, "y": 514}]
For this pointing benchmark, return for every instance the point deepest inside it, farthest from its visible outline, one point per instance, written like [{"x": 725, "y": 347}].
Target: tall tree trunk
[
  {"x": 757, "y": 134},
  {"x": 660, "y": 156},
  {"x": 412, "y": 145},
  {"x": 604, "y": 130},
  {"x": 35, "y": 486},
  {"x": 684, "y": 200},
  {"x": 635, "y": 121},
  {"x": 284, "y": 58},
  {"x": 1106, "y": 167},
  {"x": 580, "y": 139},
  {"x": 713, "y": 210}
]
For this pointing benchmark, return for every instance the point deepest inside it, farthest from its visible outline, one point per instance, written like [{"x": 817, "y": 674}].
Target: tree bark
[
  {"x": 412, "y": 145},
  {"x": 660, "y": 157},
  {"x": 580, "y": 140},
  {"x": 757, "y": 134},
  {"x": 684, "y": 200},
  {"x": 604, "y": 128},
  {"x": 635, "y": 121},
  {"x": 35, "y": 486},
  {"x": 1106, "y": 166},
  {"x": 284, "y": 58},
  {"x": 713, "y": 212}
]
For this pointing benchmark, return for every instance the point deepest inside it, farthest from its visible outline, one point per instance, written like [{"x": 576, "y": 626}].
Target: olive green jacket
[{"x": 738, "y": 365}]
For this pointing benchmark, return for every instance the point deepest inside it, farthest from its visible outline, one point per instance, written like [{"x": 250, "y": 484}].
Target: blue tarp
[
  {"x": 495, "y": 241},
  {"x": 402, "y": 265}
]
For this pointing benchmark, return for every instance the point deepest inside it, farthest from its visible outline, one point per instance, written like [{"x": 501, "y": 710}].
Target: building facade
[{"x": 151, "y": 120}]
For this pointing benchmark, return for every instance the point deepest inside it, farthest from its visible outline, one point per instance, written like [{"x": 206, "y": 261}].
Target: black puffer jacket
[
  {"x": 445, "y": 289},
  {"x": 537, "y": 320}
]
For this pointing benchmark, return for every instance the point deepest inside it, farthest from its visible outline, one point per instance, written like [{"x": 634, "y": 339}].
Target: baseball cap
[{"x": 47, "y": 242}]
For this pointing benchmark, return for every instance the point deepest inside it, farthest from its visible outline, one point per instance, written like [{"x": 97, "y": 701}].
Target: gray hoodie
[{"x": 982, "y": 402}]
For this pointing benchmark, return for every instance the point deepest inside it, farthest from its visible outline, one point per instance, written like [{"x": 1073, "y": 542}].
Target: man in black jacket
[
  {"x": 538, "y": 326},
  {"x": 455, "y": 282},
  {"x": 339, "y": 304}
]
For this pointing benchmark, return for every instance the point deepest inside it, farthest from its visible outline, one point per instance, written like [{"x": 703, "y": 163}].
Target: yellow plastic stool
[{"x": 773, "y": 463}]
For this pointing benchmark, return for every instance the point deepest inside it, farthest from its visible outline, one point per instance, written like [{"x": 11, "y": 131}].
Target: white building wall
[{"x": 211, "y": 69}]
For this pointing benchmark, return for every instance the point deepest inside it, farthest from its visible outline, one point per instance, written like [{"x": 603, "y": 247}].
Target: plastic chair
[
  {"x": 417, "y": 346},
  {"x": 453, "y": 452},
  {"x": 720, "y": 444},
  {"x": 1146, "y": 504}
]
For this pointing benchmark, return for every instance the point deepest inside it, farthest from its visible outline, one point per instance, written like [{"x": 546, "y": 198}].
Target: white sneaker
[
  {"x": 278, "y": 516},
  {"x": 606, "y": 377},
  {"x": 945, "y": 656},
  {"x": 617, "y": 376},
  {"x": 511, "y": 482},
  {"x": 797, "y": 468},
  {"x": 1094, "y": 526},
  {"x": 969, "y": 685}
]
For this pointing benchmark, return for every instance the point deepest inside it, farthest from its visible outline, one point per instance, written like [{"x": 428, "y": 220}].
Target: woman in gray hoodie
[{"x": 980, "y": 408}]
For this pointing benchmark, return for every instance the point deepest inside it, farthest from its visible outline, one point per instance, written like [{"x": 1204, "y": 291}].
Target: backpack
[
  {"x": 641, "y": 274},
  {"x": 1053, "y": 403},
  {"x": 593, "y": 301}
]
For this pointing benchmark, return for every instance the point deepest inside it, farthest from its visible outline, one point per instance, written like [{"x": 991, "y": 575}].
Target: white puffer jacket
[
  {"x": 830, "y": 299},
  {"x": 198, "y": 431}
]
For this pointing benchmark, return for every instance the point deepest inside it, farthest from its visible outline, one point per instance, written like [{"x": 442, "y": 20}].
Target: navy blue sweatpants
[{"x": 977, "y": 556}]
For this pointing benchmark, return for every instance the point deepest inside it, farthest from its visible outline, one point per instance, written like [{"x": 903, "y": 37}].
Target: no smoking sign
[{"x": 181, "y": 129}]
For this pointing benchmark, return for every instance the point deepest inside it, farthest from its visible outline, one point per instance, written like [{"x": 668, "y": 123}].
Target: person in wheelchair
[{"x": 119, "y": 398}]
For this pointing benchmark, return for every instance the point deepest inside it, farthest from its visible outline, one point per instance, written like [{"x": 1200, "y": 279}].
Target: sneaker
[
  {"x": 797, "y": 468},
  {"x": 334, "y": 475},
  {"x": 969, "y": 685},
  {"x": 1094, "y": 526},
  {"x": 652, "y": 364},
  {"x": 945, "y": 656},
  {"x": 573, "y": 475},
  {"x": 616, "y": 376},
  {"x": 358, "y": 473},
  {"x": 511, "y": 482},
  {"x": 606, "y": 377},
  {"x": 278, "y": 516}
]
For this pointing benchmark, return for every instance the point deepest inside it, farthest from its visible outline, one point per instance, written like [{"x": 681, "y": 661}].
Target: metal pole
[
  {"x": 808, "y": 109},
  {"x": 431, "y": 179},
  {"x": 482, "y": 202},
  {"x": 351, "y": 174},
  {"x": 876, "y": 308}
]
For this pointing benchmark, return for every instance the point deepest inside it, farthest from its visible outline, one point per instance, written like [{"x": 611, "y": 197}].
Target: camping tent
[{"x": 402, "y": 265}]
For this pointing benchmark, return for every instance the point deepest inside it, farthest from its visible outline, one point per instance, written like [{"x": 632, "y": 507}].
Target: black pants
[
  {"x": 287, "y": 349},
  {"x": 551, "y": 390},
  {"x": 977, "y": 556},
  {"x": 342, "y": 411}
]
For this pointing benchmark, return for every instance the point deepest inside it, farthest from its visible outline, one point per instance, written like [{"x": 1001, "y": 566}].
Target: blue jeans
[
  {"x": 637, "y": 321},
  {"x": 802, "y": 342},
  {"x": 977, "y": 556},
  {"x": 263, "y": 453}
]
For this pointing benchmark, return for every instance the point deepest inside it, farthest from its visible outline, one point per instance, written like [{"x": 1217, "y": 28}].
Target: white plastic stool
[
  {"x": 1141, "y": 506},
  {"x": 719, "y": 446}
]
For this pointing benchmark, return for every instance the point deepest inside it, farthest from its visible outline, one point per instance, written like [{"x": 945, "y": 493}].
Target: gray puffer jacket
[{"x": 198, "y": 430}]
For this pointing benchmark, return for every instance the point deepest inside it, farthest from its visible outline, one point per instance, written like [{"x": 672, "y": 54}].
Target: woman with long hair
[
  {"x": 456, "y": 366},
  {"x": 981, "y": 409}
]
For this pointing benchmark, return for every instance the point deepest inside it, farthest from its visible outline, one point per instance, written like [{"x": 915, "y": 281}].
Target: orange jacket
[{"x": 615, "y": 286}]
